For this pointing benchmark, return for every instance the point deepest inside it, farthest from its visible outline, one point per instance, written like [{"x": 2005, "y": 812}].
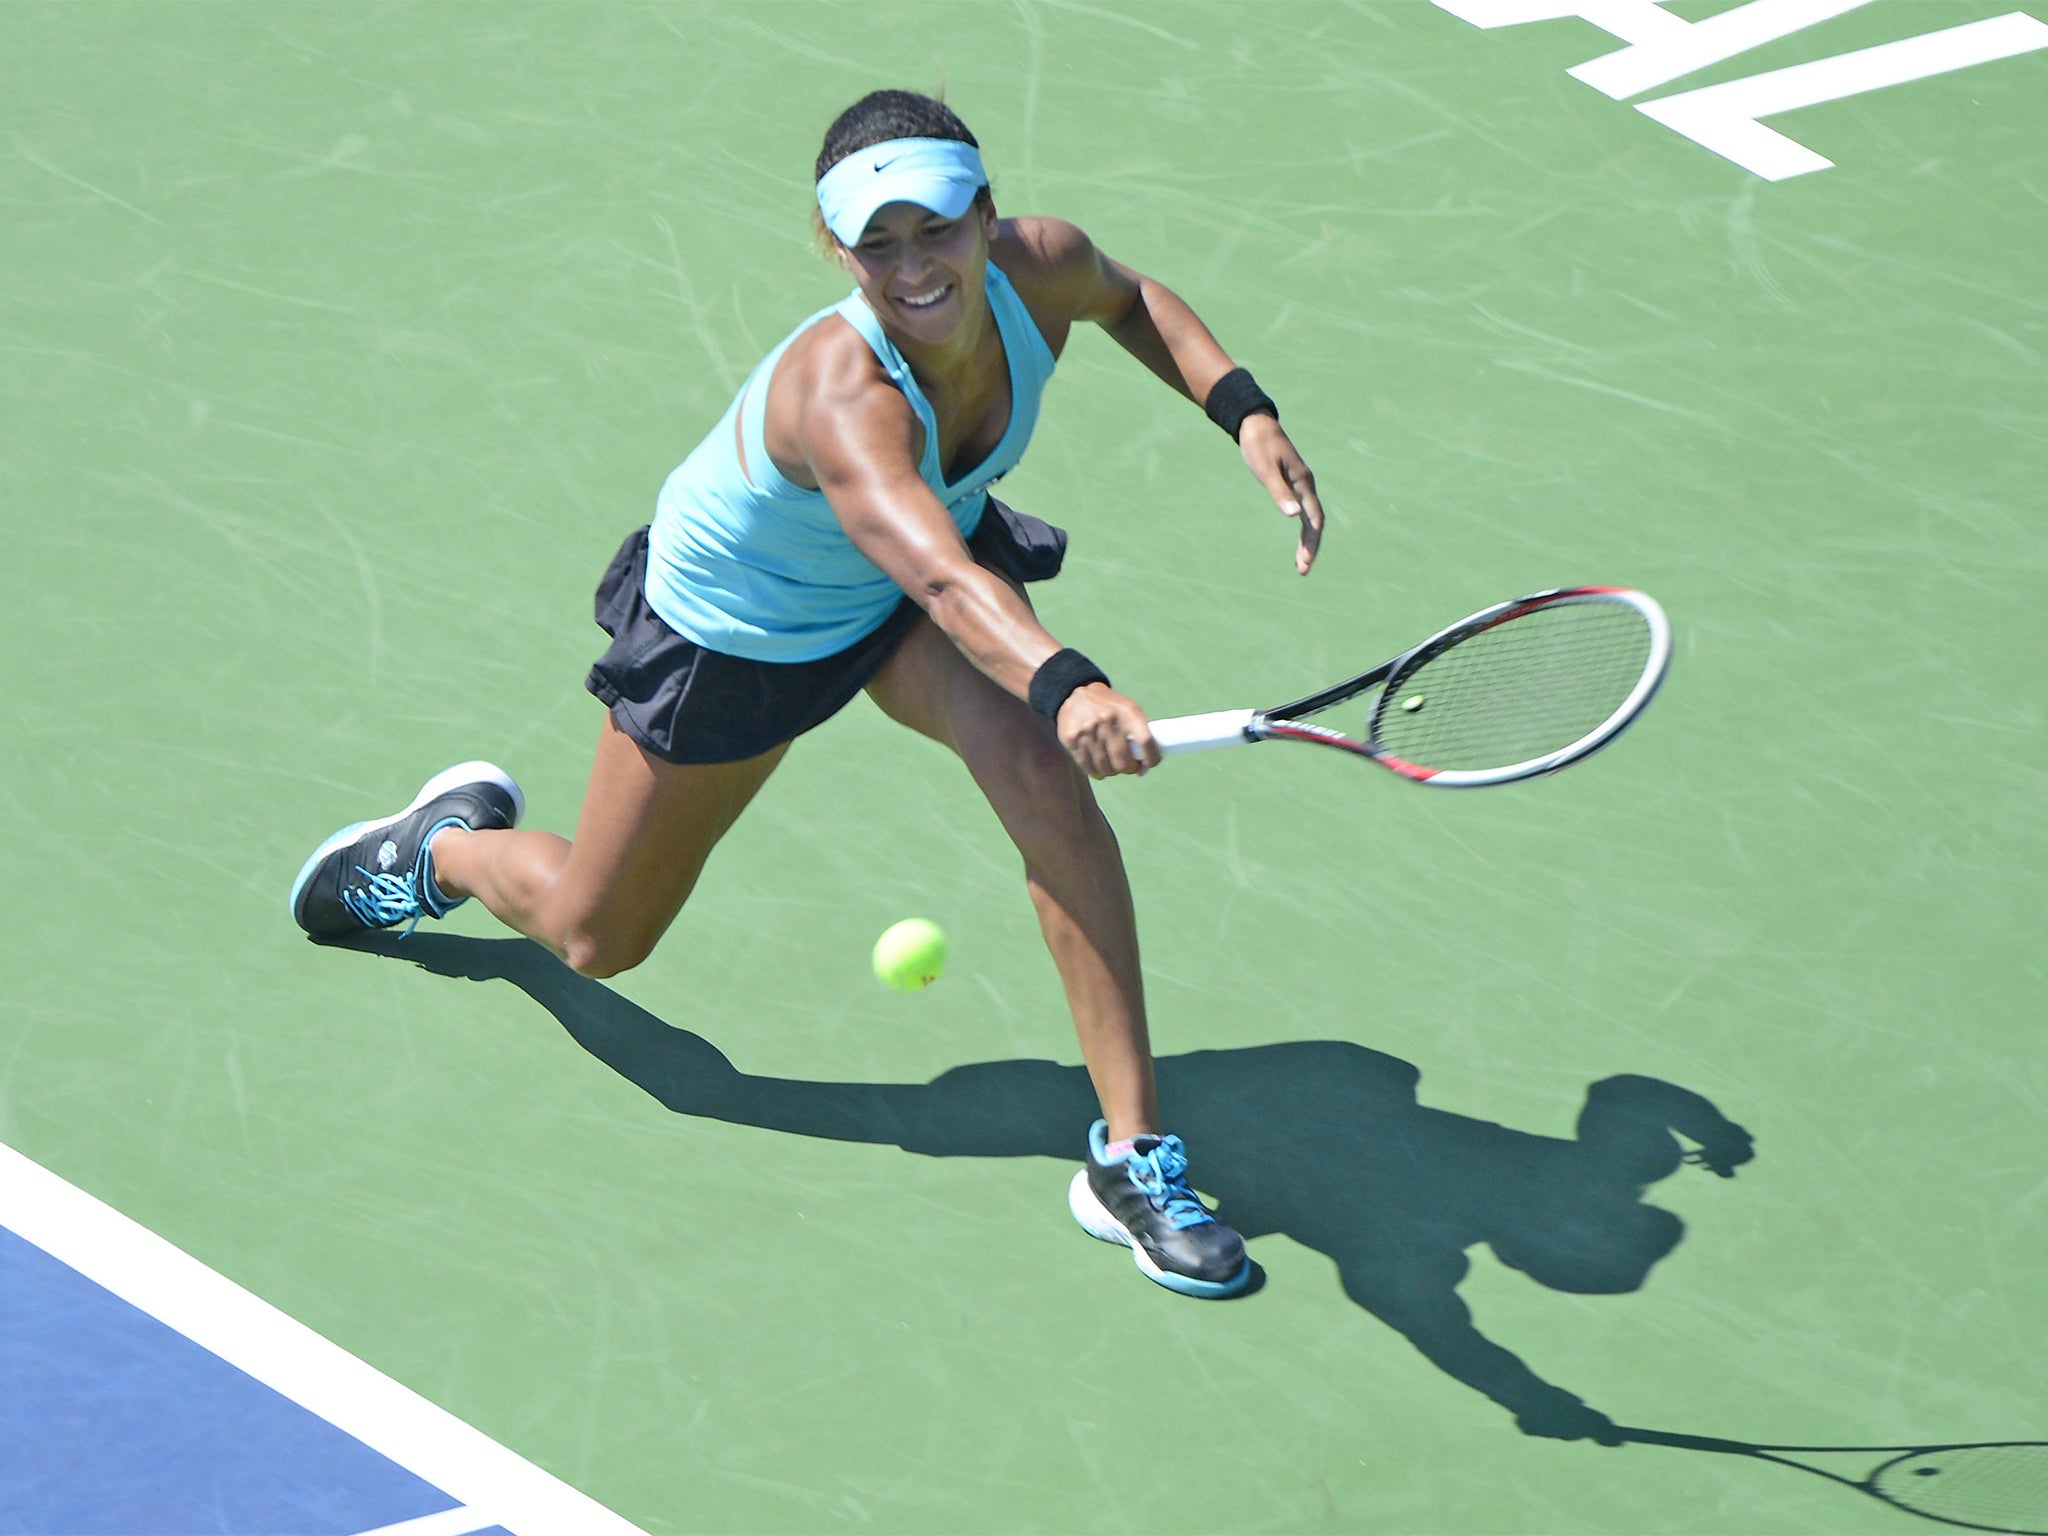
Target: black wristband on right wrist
[
  {"x": 1059, "y": 675},
  {"x": 1235, "y": 396}
]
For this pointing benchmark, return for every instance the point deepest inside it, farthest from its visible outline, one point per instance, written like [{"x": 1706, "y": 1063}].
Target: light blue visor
[{"x": 940, "y": 174}]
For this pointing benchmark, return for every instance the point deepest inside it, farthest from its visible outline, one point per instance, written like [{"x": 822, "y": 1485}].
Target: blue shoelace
[
  {"x": 385, "y": 901},
  {"x": 1162, "y": 1175}
]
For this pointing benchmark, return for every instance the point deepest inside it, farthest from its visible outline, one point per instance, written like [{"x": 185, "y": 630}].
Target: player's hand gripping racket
[{"x": 1516, "y": 690}]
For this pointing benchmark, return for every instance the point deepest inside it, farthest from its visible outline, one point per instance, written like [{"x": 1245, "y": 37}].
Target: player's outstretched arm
[
  {"x": 1156, "y": 326},
  {"x": 863, "y": 450}
]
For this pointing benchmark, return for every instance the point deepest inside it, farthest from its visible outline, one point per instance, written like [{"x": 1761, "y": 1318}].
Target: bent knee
[
  {"x": 599, "y": 958},
  {"x": 600, "y": 949}
]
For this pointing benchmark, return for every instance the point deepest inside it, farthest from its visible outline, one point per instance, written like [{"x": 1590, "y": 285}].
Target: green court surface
[{"x": 342, "y": 343}]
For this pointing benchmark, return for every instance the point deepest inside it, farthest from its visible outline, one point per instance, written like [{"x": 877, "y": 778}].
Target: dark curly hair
[{"x": 879, "y": 117}]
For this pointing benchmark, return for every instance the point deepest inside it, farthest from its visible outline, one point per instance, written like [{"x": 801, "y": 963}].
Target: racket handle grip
[{"x": 1202, "y": 733}]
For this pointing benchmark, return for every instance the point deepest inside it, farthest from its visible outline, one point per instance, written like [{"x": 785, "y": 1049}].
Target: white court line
[
  {"x": 450, "y": 1522},
  {"x": 498, "y": 1486}
]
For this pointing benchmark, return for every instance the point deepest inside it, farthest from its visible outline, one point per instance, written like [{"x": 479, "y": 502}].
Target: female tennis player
[{"x": 835, "y": 532}]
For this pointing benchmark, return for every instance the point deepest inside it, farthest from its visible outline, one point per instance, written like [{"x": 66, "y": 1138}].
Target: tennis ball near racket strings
[{"x": 910, "y": 955}]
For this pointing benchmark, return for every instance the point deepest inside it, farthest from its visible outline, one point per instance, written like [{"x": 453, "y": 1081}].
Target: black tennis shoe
[
  {"x": 377, "y": 874},
  {"x": 1143, "y": 1201}
]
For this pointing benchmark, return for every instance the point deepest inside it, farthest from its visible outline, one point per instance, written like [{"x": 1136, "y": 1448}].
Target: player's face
[{"x": 921, "y": 272}]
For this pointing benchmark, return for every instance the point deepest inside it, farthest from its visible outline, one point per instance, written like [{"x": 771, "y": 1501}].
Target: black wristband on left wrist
[
  {"x": 1235, "y": 396},
  {"x": 1058, "y": 676}
]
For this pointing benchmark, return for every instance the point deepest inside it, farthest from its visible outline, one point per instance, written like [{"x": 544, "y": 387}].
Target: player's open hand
[
  {"x": 1722, "y": 1154},
  {"x": 1271, "y": 455},
  {"x": 1106, "y": 733}
]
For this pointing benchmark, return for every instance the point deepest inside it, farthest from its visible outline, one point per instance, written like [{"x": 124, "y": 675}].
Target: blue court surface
[{"x": 147, "y": 1394}]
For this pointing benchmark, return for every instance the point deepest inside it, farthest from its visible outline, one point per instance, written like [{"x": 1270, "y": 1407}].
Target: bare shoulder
[
  {"x": 1048, "y": 254},
  {"x": 829, "y": 362},
  {"x": 830, "y": 389},
  {"x": 1061, "y": 274},
  {"x": 1052, "y": 243}
]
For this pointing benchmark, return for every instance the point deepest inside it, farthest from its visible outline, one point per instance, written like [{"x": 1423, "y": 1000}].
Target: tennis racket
[
  {"x": 1998, "y": 1486},
  {"x": 1517, "y": 690}
]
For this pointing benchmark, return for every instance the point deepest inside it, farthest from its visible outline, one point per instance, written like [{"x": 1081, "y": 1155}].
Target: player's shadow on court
[{"x": 1322, "y": 1140}]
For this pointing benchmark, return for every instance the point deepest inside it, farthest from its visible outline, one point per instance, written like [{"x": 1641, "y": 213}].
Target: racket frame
[{"x": 1236, "y": 727}]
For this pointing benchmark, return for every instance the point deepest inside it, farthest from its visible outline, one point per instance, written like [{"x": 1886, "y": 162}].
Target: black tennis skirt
[{"x": 689, "y": 704}]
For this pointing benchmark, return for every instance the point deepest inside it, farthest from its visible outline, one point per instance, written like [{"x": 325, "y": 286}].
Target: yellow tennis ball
[{"x": 909, "y": 955}]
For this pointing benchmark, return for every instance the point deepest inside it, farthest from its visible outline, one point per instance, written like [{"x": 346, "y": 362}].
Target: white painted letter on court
[{"x": 1723, "y": 118}]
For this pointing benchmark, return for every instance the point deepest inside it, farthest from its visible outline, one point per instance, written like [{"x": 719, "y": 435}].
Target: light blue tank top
[{"x": 757, "y": 566}]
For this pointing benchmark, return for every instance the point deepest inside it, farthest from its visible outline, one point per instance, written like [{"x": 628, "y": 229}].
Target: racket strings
[
  {"x": 1997, "y": 1487},
  {"x": 1518, "y": 690}
]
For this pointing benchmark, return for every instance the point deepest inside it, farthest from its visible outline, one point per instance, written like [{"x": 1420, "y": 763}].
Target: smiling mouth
[{"x": 925, "y": 300}]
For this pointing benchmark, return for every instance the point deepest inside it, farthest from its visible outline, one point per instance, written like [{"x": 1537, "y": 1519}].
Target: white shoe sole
[{"x": 1096, "y": 1221}]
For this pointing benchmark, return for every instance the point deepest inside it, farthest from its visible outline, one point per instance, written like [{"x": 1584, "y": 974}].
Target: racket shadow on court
[{"x": 1323, "y": 1141}]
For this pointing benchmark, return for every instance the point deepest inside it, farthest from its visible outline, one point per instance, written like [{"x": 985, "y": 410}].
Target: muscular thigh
[
  {"x": 646, "y": 828},
  {"x": 928, "y": 685}
]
